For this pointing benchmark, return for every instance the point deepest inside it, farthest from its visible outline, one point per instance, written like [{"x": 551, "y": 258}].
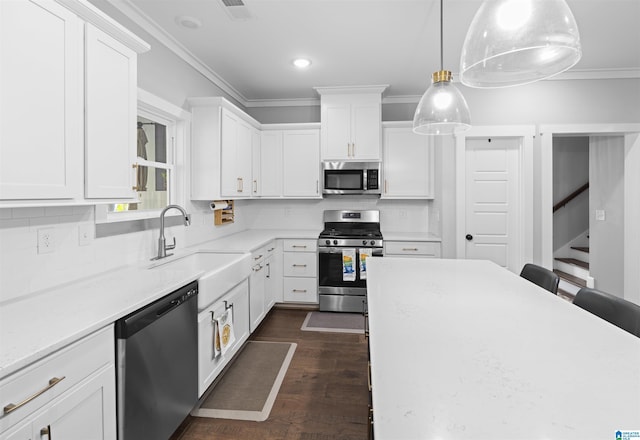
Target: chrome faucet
[{"x": 162, "y": 246}]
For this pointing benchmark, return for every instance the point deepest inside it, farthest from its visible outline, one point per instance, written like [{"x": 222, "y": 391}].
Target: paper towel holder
[{"x": 225, "y": 215}]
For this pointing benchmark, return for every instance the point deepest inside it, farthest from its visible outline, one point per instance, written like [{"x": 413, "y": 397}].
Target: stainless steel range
[{"x": 348, "y": 239}]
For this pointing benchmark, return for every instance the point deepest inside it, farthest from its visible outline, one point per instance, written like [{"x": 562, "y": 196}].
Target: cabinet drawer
[
  {"x": 299, "y": 264},
  {"x": 258, "y": 255},
  {"x": 270, "y": 248},
  {"x": 300, "y": 245},
  {"x": 408, "y": 248},
  {"x": 301, "y": 290},
  {"x": 48, "y": 378}
]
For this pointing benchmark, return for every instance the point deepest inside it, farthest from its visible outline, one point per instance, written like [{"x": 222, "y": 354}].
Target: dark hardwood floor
[{"x": 323, "y": 396}]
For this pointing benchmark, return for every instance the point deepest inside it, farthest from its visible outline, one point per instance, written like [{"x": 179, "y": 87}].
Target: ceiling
[{"x": 356, "y": 42}]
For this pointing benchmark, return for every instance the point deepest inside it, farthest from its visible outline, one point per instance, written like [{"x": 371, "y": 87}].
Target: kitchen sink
[{"x": 221, "y": 271}]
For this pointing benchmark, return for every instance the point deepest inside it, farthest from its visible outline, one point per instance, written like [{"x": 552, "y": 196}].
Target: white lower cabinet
[
  {"x": 425, "y": 249},
  {"x": 257, "y": 280},
  {"x": 300, "y": 271},
  {"x": 210, "y": 365},
  {"x": 73, "y": 390},
  {"x": 263, "y": 283},
  {"x": 273, "y": 274}
]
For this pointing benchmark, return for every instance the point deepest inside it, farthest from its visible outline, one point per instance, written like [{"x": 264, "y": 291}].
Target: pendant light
[
  {"x": 513, "y": 42},
  {"x": 442, "y": 109}
]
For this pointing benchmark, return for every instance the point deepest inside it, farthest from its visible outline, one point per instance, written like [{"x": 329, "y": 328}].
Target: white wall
[
  {"x": 23, "y": 271},
  {"x": 570, "y": 171},
  {"x": 606, "y": 193}
]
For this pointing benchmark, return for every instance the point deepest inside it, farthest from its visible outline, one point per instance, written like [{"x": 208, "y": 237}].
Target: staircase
[{"x": 573, "y": 271}]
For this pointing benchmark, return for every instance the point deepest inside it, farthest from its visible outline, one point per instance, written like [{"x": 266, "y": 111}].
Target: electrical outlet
[
  {"x": 85, "y": 234},
  {"x": 46, "y": 240}
]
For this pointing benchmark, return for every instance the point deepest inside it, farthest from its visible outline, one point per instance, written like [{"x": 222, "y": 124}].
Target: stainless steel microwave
[{"x": 351, "y": 178}]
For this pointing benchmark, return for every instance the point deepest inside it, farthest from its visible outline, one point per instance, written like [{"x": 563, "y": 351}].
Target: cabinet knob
[{"x": 469, "y": 237}]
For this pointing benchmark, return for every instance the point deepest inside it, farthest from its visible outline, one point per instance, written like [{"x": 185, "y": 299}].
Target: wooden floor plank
[{"x": 323, "y": 397}]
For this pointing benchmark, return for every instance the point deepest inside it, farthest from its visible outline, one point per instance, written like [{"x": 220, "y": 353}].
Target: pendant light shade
[
  {"x": 513, "y": 42},
  {"x": 442, "y": 110}
]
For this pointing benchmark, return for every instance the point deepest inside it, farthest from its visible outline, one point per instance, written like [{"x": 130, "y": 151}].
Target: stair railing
[{"x": 570, "y": 197}]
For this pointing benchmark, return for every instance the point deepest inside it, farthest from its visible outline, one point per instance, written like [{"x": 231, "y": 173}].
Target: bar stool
[
  {"x": 542, "y": 277},
  {"x": 617, "y": 311}
]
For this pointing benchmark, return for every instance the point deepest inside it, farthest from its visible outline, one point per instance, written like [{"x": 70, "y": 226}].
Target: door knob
[{"x": 469, "y": 237}]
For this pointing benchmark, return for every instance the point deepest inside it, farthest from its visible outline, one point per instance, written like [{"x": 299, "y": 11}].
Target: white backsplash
[
  {"x": 395, "y": 215},
  {"x": 24, "y": 271}
]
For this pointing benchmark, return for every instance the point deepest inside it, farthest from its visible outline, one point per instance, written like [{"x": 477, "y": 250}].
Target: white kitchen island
[{"x": 464, "y": 349}]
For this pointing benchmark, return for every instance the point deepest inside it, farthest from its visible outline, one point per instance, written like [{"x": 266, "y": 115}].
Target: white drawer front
[
  {"x": 304, "y": 290},
  {"x": 291, "y": 245},
  {"x": 258, "y": 255},
  {"x": 408, "y": 248},
  {"x": 71, "y": 364},
  {"x": 270, "y": 248},
  {"x": 300, "y": 264}
]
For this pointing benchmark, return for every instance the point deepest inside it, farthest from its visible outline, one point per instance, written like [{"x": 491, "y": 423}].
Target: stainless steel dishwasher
[{"x": 157, "y": 355}]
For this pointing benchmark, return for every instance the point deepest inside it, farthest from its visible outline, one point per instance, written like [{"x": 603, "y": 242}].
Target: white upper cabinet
[
  {"x": 408, "y": 163},
  {"x": 222, "y": 145},
  {"x": 41, "y": 104},
  {"x": 68, "y": 87},
  {"x": 236, "y": 151},
  {"x": 270, "y": 164},
  {"x": 301, "y": 163},
  {"x": 111, "y": 110},
  {"x": 351, "y": 123}
]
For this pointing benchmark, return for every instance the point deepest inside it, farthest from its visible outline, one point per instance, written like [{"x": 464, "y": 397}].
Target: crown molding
[
  {"x": 151, "y": 27},
  {"x": 156, "y": 31}
]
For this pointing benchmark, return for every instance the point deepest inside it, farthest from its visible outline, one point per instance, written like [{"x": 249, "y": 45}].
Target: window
[
  {"x": 161, "y": 135},
  {"x": 154, "y": 165}
]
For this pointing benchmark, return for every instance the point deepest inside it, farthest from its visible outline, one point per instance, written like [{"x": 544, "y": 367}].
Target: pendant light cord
[{"x": 441, "y": 38}]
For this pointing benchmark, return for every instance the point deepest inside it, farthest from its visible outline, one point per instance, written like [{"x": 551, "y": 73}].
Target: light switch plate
[{"x": 600, "y": 215}]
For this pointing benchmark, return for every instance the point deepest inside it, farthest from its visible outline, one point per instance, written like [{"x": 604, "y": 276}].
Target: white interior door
[{"x": 492, "y": 229}]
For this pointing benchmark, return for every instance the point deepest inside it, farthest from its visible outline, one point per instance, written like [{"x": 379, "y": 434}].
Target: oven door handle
[
  {"x": 377, "y": 252},
  {"x": 327, "y": 250}
]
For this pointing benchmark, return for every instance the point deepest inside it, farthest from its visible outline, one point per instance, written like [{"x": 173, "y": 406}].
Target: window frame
[{"x": 177, "y": 121}]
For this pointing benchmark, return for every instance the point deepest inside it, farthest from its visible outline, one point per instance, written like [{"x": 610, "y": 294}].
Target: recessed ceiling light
[
  {"x": 188, "y": 22},
  {"x": 302, "y": 63}
]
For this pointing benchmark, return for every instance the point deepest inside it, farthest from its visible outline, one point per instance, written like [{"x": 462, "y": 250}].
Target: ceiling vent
[{"x": 236, "y": 9}]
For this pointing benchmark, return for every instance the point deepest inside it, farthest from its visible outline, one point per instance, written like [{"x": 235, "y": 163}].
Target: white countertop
[
  {"x": 410, "y": 236},
  {"x": 39, "y": 324},
  {"x": 467, "y": 349}
]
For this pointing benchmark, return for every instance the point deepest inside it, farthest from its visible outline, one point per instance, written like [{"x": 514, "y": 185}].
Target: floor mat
[
  {"x": 248, "y": 389},
  {"x": 334, "y": 322}
]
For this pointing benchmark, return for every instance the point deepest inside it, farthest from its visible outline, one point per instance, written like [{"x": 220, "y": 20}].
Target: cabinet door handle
[
  {"x": 268, "y": 270},
  {"x": 353, "y": 149},
  {"x": 258, "y": 268},
  {"x": 410, "y": 249},
  {"x": 52, "y": 382},
  {"x": 299, "y": 246},
  {"x": 299, "y": 290},
  {"x": 255, "y": 186},
  {"x": 46, "y": 431},
  {"x": 258, "y": 257},
  {"x": 299, "y": 265},
  {"x": 386, "y": 186}
]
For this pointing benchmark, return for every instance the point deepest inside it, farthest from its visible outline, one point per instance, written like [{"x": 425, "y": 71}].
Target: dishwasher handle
[{"x": 141, "y": 318}]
